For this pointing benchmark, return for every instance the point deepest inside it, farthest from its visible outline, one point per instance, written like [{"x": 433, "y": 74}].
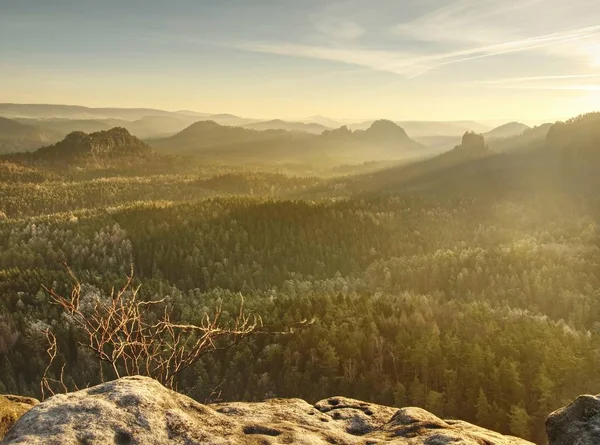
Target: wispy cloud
[
  {"x": 516, "y": 80},
  {"x": 411, "y": 63},
  {"x": 448, "y": 33},
  {"x": 467, "y": 21},
  {"x": 572, "y": 82}
]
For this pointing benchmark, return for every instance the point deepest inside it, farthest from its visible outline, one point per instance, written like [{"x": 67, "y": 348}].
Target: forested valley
[{"x": 467, "y": 284}]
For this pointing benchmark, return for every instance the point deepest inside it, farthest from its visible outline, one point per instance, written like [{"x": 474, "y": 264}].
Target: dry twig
[{"x": 120, "y": 334}]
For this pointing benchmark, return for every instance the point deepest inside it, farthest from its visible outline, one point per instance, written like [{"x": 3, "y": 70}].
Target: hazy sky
[{"x": 402, "y": 59}]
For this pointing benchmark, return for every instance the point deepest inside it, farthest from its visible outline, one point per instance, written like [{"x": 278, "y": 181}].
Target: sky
[{"x": 529, "y": 60}]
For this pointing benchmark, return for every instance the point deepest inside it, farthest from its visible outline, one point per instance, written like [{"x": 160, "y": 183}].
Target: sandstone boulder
[
  {"x": 11, "y": 408},
  {"x": 577, "y": 423},
  {"x": 139, "y": 411}
]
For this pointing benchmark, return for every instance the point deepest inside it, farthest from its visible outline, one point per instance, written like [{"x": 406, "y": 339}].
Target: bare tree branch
[{"x": 121, "y": 336}]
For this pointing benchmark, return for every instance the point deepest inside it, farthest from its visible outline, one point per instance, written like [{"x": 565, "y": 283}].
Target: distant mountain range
[
  {"x": 278, "y": 124},
  {"x": 49, "y": 111},
  {"x": 507, "y": 130},
  {"x": 35, "y": 125},
  {"x": 564, "y": 154},
  {"x": 501, "y": 138},
  {"x": 529, "y": 139},
  {"x": 17, "y": 136},
  {"x": 471, "y": 148},
  {"x": 44, "y": 111},
  {"x": 144, "y": 128},
  {"x": 562, "y": 157},
  {"x": 382, "y": 140},
  {"x": 212, "y": 142},
  {"x": 417, "y": 129}
]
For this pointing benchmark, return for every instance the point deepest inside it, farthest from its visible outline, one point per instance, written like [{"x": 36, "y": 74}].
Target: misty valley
[{"x": 442, "y": 265}]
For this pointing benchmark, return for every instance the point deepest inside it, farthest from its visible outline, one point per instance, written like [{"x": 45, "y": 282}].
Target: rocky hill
[
  {"x": 138, "y": 410},
  {"x": 110, "y": 143},
  {"x": 103, "y": 148}
]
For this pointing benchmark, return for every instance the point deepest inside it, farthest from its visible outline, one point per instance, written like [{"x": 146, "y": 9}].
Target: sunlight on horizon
[{"x": 342, "y": 59}]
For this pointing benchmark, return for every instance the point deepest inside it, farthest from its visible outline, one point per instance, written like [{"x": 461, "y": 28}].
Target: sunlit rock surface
[{"x": 138, "y": 410}]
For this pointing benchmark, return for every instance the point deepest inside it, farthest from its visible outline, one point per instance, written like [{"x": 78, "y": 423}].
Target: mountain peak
[
  {"x": 472, "y": 142},
  {"x": 471, "y": 138},
  {"x": 507, "y": 130},
  {"x": 384, "y": 128},
  {"x": 113, "y": 143}
]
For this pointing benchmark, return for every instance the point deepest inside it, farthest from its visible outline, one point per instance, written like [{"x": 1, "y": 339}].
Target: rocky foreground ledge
[{"x": 140, "y": 411}]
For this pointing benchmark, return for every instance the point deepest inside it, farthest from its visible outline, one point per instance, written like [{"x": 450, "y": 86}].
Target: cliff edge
[{"x": 140, "y": 411}]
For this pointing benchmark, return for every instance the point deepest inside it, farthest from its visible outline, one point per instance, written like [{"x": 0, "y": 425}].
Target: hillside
[
  {"x": 217, "y": 142},
  {"x": 507, "y": 130},
  {"x": 384, "y": 140},
  {"x": 529, "y": 139},
  {"x": 471, "y": 149},
  {"x": 431, "y": 284},
  {"x": 112, "y": 147},
  {"x": 561, "y": 158},
  {"x": 439, "y": 143},
  {"x": 278, "y": 124},
  {"x": 578, "y": 137},
  {"x": 17, "y": 136},
  {"x": 158, "y": 126}
]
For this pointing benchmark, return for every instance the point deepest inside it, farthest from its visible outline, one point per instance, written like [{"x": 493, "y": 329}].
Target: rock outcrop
[
  {"x": 577, "y": 423},
  {"x": 139, "y": 411},
  {"x": 11, "y": 408},
  {"x": 115, "y": 144}
]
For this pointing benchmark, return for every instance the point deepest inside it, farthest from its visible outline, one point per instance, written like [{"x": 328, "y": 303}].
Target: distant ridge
[
  {"x": 471, "y": 149},
  {"x": 37, "y": 111},
  {"x": 416, "y": 129},
  {"x": 529, "y": 139},
  {"x": 507, "y": 130},
  {"x": 563, "y": 156},
  {"x": 383, "y": 140},
  {"x": 278, "y": 124},
  {"x": 17, "y": 136}
]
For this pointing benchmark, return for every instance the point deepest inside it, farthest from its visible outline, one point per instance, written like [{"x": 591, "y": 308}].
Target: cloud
[
  {"x": 571, "y": 82},
  {"x": 411, "y": 63},
  {"x": 467, "y": 22},
  {"x": 514, "y": 80}
]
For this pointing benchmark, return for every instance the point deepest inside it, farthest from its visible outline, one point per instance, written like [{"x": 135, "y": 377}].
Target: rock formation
[
  {"x": 138, "y": 410},
  {"x": 114, "y": 144},
  {"x": 575, "y": 424},
  {"x": 11, "y": 408},
  {"x": 473, "y": 142}
]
